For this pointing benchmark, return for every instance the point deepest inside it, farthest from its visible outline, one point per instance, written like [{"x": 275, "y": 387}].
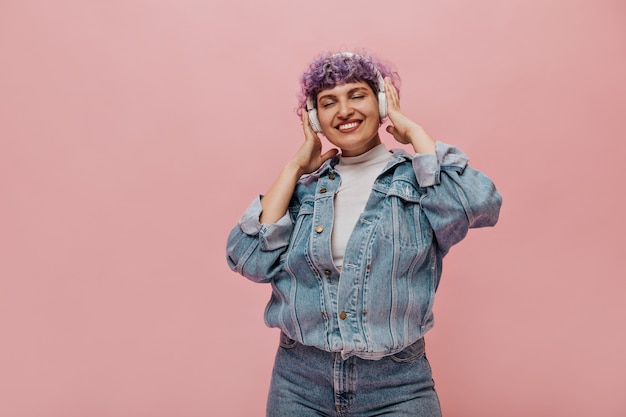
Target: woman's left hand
[
  {"x": 403, "y": 129},
  {"x": 401, "y": 125}
]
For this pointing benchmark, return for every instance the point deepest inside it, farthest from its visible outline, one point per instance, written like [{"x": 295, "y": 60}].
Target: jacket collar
[{"x": 399, "y": 156}]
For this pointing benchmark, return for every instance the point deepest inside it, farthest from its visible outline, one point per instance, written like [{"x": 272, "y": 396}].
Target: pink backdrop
[{"x": 134, "y": 132}]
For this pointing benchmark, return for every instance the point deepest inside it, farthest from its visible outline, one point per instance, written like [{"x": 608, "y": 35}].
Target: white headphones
[{"x": 382, "y": 99}]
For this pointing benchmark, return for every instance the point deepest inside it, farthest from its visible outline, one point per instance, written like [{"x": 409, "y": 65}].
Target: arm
[
  {"x": 254, "y": 249},
  {"x": 308, "y": 158},
  {"x": 262, "y": 235},
  {"x": 457, "y": 197}
]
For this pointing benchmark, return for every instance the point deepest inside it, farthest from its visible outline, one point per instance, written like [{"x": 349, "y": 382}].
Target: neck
[{"x": 371, "y": 144}]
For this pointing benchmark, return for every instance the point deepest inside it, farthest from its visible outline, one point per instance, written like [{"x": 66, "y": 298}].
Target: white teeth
[{"x": 348, "y": 126}]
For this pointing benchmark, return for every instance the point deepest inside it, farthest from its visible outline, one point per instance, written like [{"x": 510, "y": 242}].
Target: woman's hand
[
  {"x": 403, "y": 129},
  {"x": 309, "y": 157}
]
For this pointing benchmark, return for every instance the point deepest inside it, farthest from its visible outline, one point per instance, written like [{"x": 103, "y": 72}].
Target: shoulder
[
  {"x": 400, "y": 168},
  {"x": 398, "y": 178},
  {"x": 308, "y": 183}
]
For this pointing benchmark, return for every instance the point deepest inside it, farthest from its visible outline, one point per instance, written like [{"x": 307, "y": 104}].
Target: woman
[{"x": 352, "y": 243}]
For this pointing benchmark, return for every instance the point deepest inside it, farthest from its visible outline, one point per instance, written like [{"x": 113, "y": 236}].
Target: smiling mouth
[{"x": 348, "y": 126}]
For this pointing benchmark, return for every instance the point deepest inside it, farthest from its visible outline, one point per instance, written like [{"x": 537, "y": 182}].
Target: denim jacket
[{"x": 381, "y": 301}]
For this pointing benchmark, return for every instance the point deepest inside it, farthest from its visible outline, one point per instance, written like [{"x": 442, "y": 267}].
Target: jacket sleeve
[
  {"x": 254, "y": 249},
  {"x": 457, "y": 196}
]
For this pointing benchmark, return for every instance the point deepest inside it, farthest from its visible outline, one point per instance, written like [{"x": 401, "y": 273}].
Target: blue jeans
[{"x": 307, "y": 381}]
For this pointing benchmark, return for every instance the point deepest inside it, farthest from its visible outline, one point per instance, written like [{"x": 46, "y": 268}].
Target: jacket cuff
[
  {"x": 272, "y": 236},
  {"x": 428, "y": 166}
]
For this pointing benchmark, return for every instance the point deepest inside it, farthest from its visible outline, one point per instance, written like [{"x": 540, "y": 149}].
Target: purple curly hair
[{"x": 332, "y": 69}]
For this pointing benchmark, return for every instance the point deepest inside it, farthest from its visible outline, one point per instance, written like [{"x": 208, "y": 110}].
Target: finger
[
  {"x": 304, "y": 117},
  {"x": 391, "y": 86},
  {"x": 306, "y": 126},
  {"x": 391, "y": 92},
  {"x": 394, "y": 132}
]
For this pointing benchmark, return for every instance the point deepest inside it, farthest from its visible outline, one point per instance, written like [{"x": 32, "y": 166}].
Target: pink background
[{"x": 133, "y": 133}]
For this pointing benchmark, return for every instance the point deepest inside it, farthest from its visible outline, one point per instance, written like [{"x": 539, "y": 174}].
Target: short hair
[{"x": 330, "y": 69}]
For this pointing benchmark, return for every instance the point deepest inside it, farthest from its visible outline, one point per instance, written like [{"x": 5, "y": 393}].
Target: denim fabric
[
  {"x": 307, "y": 382},
  {"x": 381, "y": 301}
]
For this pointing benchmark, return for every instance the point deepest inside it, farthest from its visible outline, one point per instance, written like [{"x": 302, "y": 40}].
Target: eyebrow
[{"x": 352, "y": 90}]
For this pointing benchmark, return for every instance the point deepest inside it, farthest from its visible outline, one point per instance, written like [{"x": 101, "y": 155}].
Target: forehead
[{"x": 344, "y": 88}]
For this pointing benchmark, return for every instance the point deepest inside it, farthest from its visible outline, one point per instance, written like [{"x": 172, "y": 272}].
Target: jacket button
[
  {"x": 327, "y": 272},
  {"x": 331, "y": 176},
  {"x": 319, "y": 228},
  {"x": 343, "y": 315},
  {"x": 323, "y": 190}
]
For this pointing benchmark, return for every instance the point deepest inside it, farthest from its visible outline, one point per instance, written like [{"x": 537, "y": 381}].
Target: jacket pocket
[
  {"x": 410, "y": 353},
  {"x": 302, "y": 223},
  {"x": 286, "y": 342}
]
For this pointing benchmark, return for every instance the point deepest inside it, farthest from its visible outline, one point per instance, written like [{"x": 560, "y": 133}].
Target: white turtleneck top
[{"x": 358, "y": 174}]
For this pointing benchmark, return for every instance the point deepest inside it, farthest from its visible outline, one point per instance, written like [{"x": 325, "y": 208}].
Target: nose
[{"x": 344, "y": 109}]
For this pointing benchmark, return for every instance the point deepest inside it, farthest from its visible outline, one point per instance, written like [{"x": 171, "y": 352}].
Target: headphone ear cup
[
  {"x": 382, "y": 104},
  {"x": 314, "y": 121}
]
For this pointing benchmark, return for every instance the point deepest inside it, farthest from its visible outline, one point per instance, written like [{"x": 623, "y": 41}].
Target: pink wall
[{"x": 134, "y": 132}]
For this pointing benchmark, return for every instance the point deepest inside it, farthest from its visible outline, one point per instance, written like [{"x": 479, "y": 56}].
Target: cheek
[
  {"x": 374, "y": 109},
  {"x": 324, "y": 117}
]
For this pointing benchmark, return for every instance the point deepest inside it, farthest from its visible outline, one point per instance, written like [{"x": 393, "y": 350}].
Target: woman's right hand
[{"x": 309, "y": 157}]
